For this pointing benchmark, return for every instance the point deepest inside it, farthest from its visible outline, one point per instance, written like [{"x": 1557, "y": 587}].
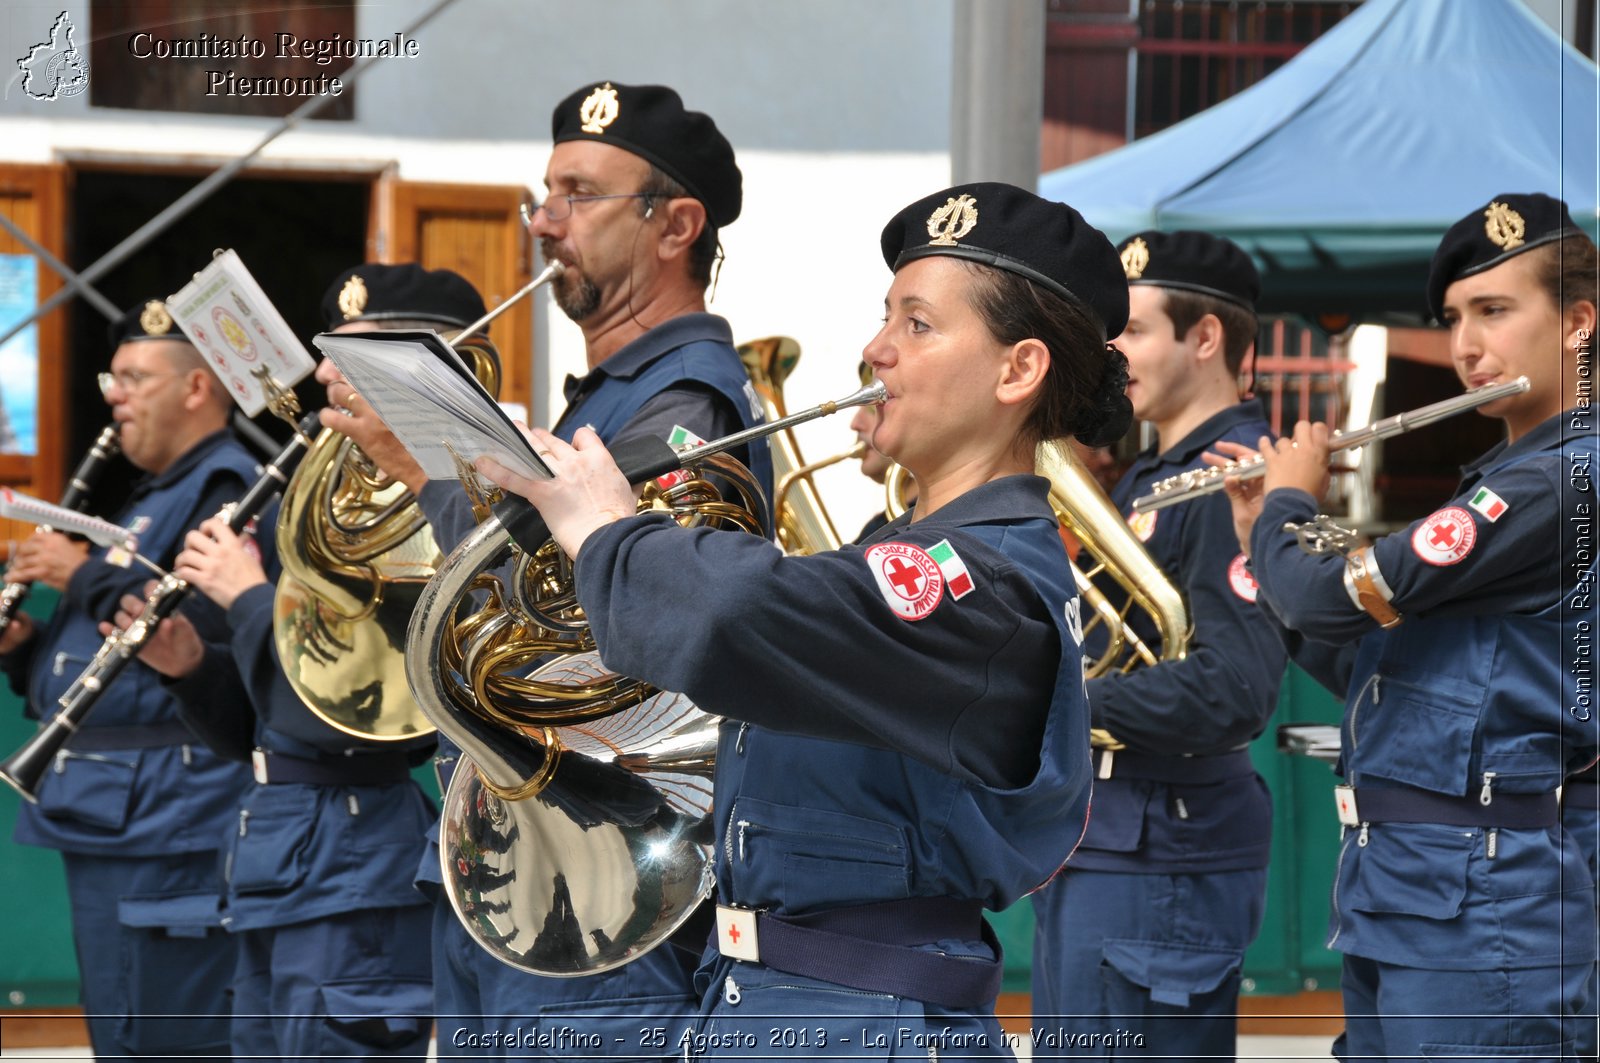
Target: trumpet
[
  {"x": 1198, "y": 482},
  {"x": 24, "y": 769},
  {"x": 84, "y": 477}
]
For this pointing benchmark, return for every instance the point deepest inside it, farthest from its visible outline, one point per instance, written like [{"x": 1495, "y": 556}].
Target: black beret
[
  {"x": 147, "y": 320},
  {"x": 650, "y": 121},
  {"x": 1008, "y": 228},
  {"x": 377, "y": 292},
  {"x": 1504, "y": 228},
  {"x": 1194, "y": 262}
]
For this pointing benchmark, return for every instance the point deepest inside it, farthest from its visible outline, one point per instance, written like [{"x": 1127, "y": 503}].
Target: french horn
[
  {"x": 576, "y": 834},
  {"x": 356, "y": 554}
]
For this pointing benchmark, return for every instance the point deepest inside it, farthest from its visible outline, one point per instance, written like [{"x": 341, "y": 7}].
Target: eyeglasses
[
  {"x": 559, "y": 208},
  {"x": 129, "y": 380}
]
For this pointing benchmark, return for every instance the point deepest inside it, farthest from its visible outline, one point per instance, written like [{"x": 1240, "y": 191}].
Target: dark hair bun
[{"x": 1108, "y": 413}]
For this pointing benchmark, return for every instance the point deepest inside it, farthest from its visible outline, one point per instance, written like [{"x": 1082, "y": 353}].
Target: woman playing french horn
[{"x": 905, "y": 739}]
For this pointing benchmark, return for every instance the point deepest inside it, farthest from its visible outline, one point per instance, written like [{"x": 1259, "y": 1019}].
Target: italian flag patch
[
  {"x": 679, "y": 437},
  {"x": 1489, "y": 504},
  {"x": 956, "y": 578}
]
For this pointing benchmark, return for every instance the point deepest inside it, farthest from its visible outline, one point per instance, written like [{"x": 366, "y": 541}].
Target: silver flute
[{"x": 1197, "y": 482}]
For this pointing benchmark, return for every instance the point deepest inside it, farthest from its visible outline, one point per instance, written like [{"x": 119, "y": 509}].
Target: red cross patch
[
  {"x": 1445, "y": 537},
  {"x": 908, "y": 579},
  {"x": 1143, "y": 525},
  {"x": 1241, "y": 581}
]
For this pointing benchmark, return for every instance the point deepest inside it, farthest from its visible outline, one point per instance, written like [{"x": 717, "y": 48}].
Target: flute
[{"x": 1197, "y": 482}]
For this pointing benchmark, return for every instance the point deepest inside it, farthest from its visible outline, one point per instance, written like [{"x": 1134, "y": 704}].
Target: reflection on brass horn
[
  {"x": 576, "y": 832},
  {"x": 356, "y": 553}
]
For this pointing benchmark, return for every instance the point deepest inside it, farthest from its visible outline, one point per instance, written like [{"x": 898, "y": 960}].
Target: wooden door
[
  {"x": 34, "y": 199},
  {"x": 477, "y": 231}
]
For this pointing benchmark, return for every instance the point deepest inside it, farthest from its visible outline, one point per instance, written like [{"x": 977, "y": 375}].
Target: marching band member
[
  {"x": 1464, "y": 909},
  {"x": 638, "y": 188},
  {"x": 318, "y": 876},
  {"x": 906, "y": 736},
  {"x": 1145, "y": 930},
  {"x": 136, "y": 804}
]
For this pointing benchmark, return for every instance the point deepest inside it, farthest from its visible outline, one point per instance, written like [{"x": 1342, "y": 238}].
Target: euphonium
[
  {"x": 1085, "y": 511},
  {"x": 801, "y": 520},
  {"x": 79, "y": 486},
  {"x": 356, "y": 553},
  {"x": 575, "y": 835}
]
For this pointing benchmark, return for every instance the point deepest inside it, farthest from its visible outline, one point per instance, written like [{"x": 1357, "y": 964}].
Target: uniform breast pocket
[
  {"x": 805, "y": 857},
  {"x": 270, "y": 849},
  {"x": 1417, "y": 729},
  {"x": 92, "y": 788}
]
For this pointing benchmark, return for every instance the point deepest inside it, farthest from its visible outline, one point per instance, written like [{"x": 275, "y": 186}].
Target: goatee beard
[{"x": 577, "y": 296}]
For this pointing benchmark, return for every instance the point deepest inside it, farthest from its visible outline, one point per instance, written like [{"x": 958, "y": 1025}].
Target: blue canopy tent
[{"x": 1341, "y": 170}]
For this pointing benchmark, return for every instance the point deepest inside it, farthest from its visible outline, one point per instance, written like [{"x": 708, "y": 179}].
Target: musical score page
[{"x": 430, "y": 400}]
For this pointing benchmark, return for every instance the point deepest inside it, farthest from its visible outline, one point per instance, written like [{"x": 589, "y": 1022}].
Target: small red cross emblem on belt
[{"x": 733, "y": 934}]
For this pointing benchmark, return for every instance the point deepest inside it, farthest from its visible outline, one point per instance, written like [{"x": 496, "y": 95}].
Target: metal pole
[
  {"x": 191, "y": 198},
  {"x": 997, "y": 91},
  {"x": 101, "y": 303}
]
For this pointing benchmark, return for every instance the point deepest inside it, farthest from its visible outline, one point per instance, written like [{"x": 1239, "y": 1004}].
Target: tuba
[
  {"x": 801, "y": 521},
  {"x": 580, "y": 836},
  {"x": 356, "y": 553}
]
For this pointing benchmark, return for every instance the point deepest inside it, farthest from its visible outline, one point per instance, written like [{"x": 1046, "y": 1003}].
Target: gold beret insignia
[
  {"x": 154, "y": 318},
  {"x": 1503, "y": 226},
  {"x": 1135, "y": 257},
  {"x": 951, "y": 222},
  {"x": 599, "y": 109},
  {"x": 353, "y": 297}
]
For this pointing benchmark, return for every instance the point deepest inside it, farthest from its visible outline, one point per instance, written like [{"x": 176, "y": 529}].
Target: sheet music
[
  {"x": 231, "y": 321},
  {"x": 17, "y": 506},
  {"x": 430, "y": 401}
]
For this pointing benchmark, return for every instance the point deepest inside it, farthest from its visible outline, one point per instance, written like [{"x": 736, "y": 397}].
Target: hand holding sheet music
[{"x": 430, "y": 400}]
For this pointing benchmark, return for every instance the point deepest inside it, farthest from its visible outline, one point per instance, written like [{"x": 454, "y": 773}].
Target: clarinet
[
  {"x": 76, "y": 496},
  {"x": 25, "y": 768}
]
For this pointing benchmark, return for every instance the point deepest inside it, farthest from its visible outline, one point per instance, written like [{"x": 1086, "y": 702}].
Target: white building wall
[{"x": 838, "y": 110}]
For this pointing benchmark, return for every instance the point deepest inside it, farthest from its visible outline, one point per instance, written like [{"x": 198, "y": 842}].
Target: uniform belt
[
  {"x": 1582, "y": 788},
  {"x": 363, "y": 769},
  {"x": 1187, "y": 771},
  {"x": 135, "y": 736},
  {"x": 1508, "y": 811},
  {"x": 869, "y": 947}
]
